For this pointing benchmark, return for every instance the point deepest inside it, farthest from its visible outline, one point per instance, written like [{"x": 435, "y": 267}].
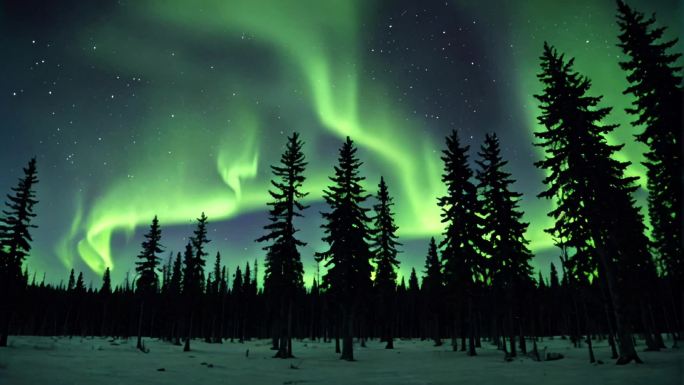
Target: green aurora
[{"x": 227, "y": 75}]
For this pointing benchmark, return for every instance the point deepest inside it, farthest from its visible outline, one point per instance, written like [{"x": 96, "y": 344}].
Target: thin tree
[
  {"x": 193, "y": 273},
  {"x": 347, "y": 259},
  {"x": 384, "y": 249},
  {"x": 283, "y": 268},
  {"x": 432, "y": 291},
  {"x": 147, "y": 283},
  {"x": 15, "y": 244}
]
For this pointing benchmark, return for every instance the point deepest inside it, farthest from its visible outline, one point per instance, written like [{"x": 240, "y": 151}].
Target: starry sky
[{"x": 174, "y": 107}]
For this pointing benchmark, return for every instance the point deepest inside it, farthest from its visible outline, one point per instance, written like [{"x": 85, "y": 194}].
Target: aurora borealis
[{"x": 173, "y": 108}]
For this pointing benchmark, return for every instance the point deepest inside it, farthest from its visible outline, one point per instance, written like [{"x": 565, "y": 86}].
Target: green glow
[
  {"x": 328, "y": 64},
  {"x": 208, "y": 154}
]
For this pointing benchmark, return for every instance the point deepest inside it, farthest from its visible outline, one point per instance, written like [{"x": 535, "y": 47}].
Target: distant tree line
[{"x": 477, "y": 285}]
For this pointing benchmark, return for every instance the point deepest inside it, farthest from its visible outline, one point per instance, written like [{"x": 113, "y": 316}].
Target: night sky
[{"x": 174, "y": 107}]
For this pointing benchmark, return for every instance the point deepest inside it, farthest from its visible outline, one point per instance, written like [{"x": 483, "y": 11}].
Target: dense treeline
[{"x": 478, "y": 283}]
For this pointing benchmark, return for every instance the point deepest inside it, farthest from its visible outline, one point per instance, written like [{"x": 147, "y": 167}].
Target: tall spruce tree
[
  {"x": 433, "y": 291},
  {"x": 509, "y": 262},
  {"x": 147, "y": 283},
  {"x": 383, "y": 246},
  {"x": 655, "y": 82},
  {"x": 284, "y": 269},
  {"x": 592, "y": 195},
  {"x": 348, "y": 278},
  {"x": 193, "y": 273},
  {"x": 148, "y": 261},
  {"x": 15, "y": 244},
  {"x": 462, "y": 244}
]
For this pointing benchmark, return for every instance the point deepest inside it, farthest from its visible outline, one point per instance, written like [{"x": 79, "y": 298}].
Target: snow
[{"x": 56, "y": 361}]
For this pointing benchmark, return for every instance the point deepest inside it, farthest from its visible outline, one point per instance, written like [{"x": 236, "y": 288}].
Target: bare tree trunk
[
  {"x": 627, "y": 352},
  {"x": 139, "y": 345},
  {"x": 347, "y": 337},
  {"x": 186, "y": 348}
]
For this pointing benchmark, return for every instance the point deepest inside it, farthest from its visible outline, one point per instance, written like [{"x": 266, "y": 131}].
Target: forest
[{"x": 620, "y": 276}]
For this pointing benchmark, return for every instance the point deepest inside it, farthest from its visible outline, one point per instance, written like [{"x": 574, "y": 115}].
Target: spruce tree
[
  {"x": 217, "y": 274},
  {"x": 79, "y": 287},
  {"x": 72, "y": 280},
  {"x": 462, "y": 244},
  {"x": 199, "y": 241},
  {"x": 176, "y": 278},
  {"x": 148, "y": 279},
  {"x": 147, "y": 283},
  {"x": 193, "y": 273},
  {"x": 284, "y": 269},
  {"x": 655, "y": 82},
  {"x": 15, "y": 244},
  {"x": 592, "y": 194},
  {"x": 509, "y": 262},
  {"x": 433, "y": 291},
  {"x": 106, "y": 282},
  {"x": 347, "y": 259},
  {"x": 383, "y": 246}
]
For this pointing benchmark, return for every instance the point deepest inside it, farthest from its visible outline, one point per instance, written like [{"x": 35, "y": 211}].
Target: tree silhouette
[
  {"x": 655, "y": 83},
  {"x": 509, "y": 265},
  {"x": 193, "y": 273},
  {"x": 348, "y": 278},
  {"x": 384, "y": 249},
  {"x": 106, "y": 287},
  {"x": 433, "y": 290},
  {"x": 15, "y": 244},
  {"x": 147, "y": 283},
  {"x": 146, "y": 267},
  {"x": 592, "y": 194},
  {"x": 284, "y": 269},
  {"x": 462, "y": 244}
]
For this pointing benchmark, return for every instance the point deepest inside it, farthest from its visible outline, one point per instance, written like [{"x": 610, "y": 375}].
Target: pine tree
[
  {"x": 554, "y": 283},
  {"x": 348, "y": 278},
  {"x": 509, "y": 262},
  {"x": 656, "y": 85},
  {"x": 79, "y": 288},
  {"x": 147, "y": 283},
  {"x": 592, "y": 194},
  {"x": 176, "y": 279},
  {"x": 148, "y": 280},
  {"x": 217, "y": 274},
  {"x": 413, "y": 281},
  {"x": 199, "y": 241},
  {"x": 433, "y": 290},
  {"x": 284, "y": 269},
  {"x": 193, "y": 273},
  {"x": 72, "y": 281},
  {"x": 462, "y": 243},
  {"x": 106, "y": 282},
  {"x": 15, "y": 244},
  {"x": 383, "y": 246}
]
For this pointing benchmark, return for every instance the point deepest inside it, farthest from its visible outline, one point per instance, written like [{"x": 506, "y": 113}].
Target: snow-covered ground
[{"x": 55, "y": 361}]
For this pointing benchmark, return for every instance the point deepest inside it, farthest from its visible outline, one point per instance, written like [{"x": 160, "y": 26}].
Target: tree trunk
[
  {"x": 139, "y": 345},
  {"x": 471, "y": 328},
  {"x": 4, "y": 327},
  {"x": 186, "y": 348},
  {"x": 347, "y": 337},
  {"x": 627, "y": 352}
]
